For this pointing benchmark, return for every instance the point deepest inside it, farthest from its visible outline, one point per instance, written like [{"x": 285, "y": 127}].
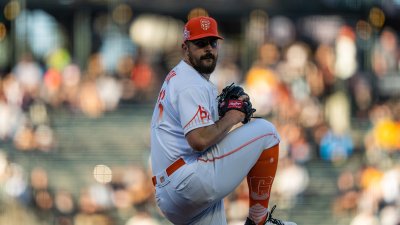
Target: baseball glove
[{"x": 229, "y": 99}]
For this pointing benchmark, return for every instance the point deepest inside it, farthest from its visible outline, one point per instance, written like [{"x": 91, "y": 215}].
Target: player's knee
[{"x": 265, "y": 125}]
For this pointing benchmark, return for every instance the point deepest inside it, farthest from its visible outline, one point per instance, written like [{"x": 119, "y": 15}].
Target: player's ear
[{"x": 184, "y": 46}]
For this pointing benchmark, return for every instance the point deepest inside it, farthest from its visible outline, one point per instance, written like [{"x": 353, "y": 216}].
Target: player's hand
[
  {"x": 235, "y": 115},
  {"x": 244, "y": 97}
]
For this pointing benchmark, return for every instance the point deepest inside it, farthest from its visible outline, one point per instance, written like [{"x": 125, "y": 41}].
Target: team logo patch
[
  {"x": 204, "y": 115},
  {"x": 205, "y": 24},
  {"x": 235, "y": 104},
  {"x": 186, "y": 34},
  {"x": 201, "y": 116}
]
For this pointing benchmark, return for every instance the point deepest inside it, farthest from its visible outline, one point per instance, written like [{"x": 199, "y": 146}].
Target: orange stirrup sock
[{"x": 259, "y": 180}]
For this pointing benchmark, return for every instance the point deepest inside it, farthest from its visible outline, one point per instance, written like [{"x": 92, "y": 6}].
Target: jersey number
[{"x": 161, "y": 97}]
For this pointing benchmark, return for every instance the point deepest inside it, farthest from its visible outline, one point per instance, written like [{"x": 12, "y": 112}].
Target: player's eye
[{"x": 201, "y": 43}]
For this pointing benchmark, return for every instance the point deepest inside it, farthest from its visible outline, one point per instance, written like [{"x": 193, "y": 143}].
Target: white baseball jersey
[
  {"x": 193, "y": 194},
  {"x": 186, "y": 101}
]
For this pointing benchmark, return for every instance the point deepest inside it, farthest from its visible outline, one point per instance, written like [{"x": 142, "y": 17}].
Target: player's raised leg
[{"x": 260, "y": 180}]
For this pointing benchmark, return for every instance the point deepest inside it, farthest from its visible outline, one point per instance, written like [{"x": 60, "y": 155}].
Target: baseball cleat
[{"x": 270, "y": 220}]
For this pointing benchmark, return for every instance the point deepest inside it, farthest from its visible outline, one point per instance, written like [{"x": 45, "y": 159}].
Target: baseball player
[{"x": 196, "y": 158}]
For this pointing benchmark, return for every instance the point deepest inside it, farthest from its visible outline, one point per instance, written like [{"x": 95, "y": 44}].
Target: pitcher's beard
[{"x": 202, "y": 67}]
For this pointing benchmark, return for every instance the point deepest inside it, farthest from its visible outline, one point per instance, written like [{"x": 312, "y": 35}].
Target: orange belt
[{"x": 170, "y": 169}]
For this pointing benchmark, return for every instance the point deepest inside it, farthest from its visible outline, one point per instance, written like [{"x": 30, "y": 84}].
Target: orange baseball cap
[{"x": 200, "y": 27}]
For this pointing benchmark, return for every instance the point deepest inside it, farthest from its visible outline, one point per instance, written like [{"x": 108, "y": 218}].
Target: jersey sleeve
[{"x": 194, "y": 108}]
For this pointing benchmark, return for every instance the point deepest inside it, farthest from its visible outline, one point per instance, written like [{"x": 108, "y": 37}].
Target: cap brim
[{"x": 204, "y": 36}]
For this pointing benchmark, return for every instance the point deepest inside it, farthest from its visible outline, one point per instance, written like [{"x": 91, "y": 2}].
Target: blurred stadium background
[{"x": 79, "y": 79}]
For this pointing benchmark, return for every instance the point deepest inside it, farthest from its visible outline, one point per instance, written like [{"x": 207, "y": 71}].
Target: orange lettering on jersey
[
  {"x": 160, "y": 111},
  {"x": 161, "y": 95},
  {"x": 170, "y": 75}
]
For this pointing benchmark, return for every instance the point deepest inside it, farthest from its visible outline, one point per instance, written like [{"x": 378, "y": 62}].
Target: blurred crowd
[
  {"x": 329, "y": 110},
  {"x": 31, "y": 91},
  {"x": 27, "y": 197},
  {"x": 326, "y": 103}
]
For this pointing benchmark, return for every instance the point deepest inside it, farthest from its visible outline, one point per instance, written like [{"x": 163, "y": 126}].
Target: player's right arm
[
  {"x": 201, "y": 131},
  {"x": 203, "y": 137}
]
